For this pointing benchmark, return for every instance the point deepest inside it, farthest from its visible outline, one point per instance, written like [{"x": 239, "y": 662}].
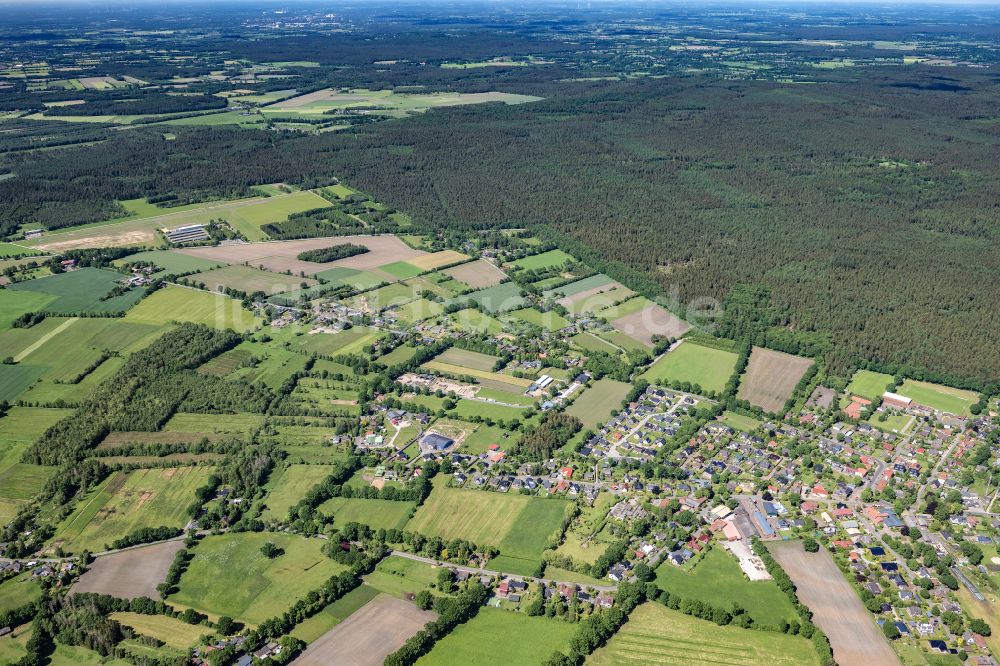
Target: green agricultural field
[
  {"x": 229, "y": 576},
  {"x": 312, "y": 628},
  {"x": 550, "y": 259},
  {"x": 14, "y": 303},
  {"x": 15, "y": 379},
  {"x": 351, "y": 341},
  {"x": 173, "y": 303},
  {"x": 175, "y": 633},
  {"x": 274, "y": 366},
  {"x": 287, "y": 486},
  {"x": 549, "y": 321},
  {"x": 654, "y": 634},
  {"x": 418, "y": 310},
  {"x": 942, "y": 398},
  {"x": 401, "y": 577},
  {"x": 500, "y": 298},
  {"x": 401, "y": 270},
  {"x": 172, "y": 262},
  {"x": 520, "y": 526},
  {"x": 400, "y": 354},
  {"x": 466, "y": 409},
  {"x": 14, "y": 250},
  {"x": 486, "y": 639},
  {"x": 127, "y": 501},
  {"x": 393, "y": 294},
  {"x": 250, "y": 280},
  {"x": 376, "y": 513},
  {"x": 81, "y": 291},
  {"x": 707, "y": 367},
  {"x": 590, "y": 342},
  {"x": 594, "y": 405},
  {"x": 717, "y": 580},
  {"x": 869, "y": 384},
  {"x": 349, "y": 276}
]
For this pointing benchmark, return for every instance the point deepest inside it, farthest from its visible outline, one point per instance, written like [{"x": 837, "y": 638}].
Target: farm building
[
  {"x": 187, "y": 234},
  {"x": 896, "y": 400}
]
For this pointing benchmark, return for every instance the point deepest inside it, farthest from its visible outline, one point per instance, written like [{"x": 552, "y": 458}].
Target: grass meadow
[
  {"x": 707, "y": 367},
  {"x": 127, "y": 501},
  {"x": 229, "y": 576},
  {"x": 655, "y": 634},
  {"x": 595, "y": 404},
  {"x": 486, "y": 639},
  {"x": 173, "y": 303},
  {"x": 717, "y": 580}
]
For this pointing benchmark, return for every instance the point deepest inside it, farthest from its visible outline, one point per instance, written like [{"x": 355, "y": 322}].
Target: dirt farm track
[{"x": 855, "y": 638}]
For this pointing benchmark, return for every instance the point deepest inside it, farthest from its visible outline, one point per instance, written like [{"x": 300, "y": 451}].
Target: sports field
[
  {"x": 654, "y": 634},
  {"x": 520, "y": 526},
  {"x": 594, "y": 405},
  {"x": 127, "y": 501},
  {"x": 250, "y": 280},
  {"x": 717, "y": 580},
  {"x": 938, "y": 397},
  {"x": 869, "y": 384},
  {"x": 697, "y": 365},
  {"x": 486, "y": 639},
  {"x": 173, "y": 303},
  {"x": 229, "y": 576},
  {"x": 287, "y": 486},
  {"x": 771, "y": 377}
]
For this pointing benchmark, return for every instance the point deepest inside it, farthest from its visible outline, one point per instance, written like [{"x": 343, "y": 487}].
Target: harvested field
[
  {"x": 651, "y": 320},
  {"x": 770, "y": 378},
  {"x": 478, "y": 274},
  {"x": 595, "y": 298},
  {"x": 250, "y": 280},
  {"x": 279, "y": 256},
  {"x": 433, "y": 260},
  {"x": 468, "y": 359},
  {"x": 130, "y": 573},
  {"x": 368, "y": 636},
  {"x": 837, "y": 610}
]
